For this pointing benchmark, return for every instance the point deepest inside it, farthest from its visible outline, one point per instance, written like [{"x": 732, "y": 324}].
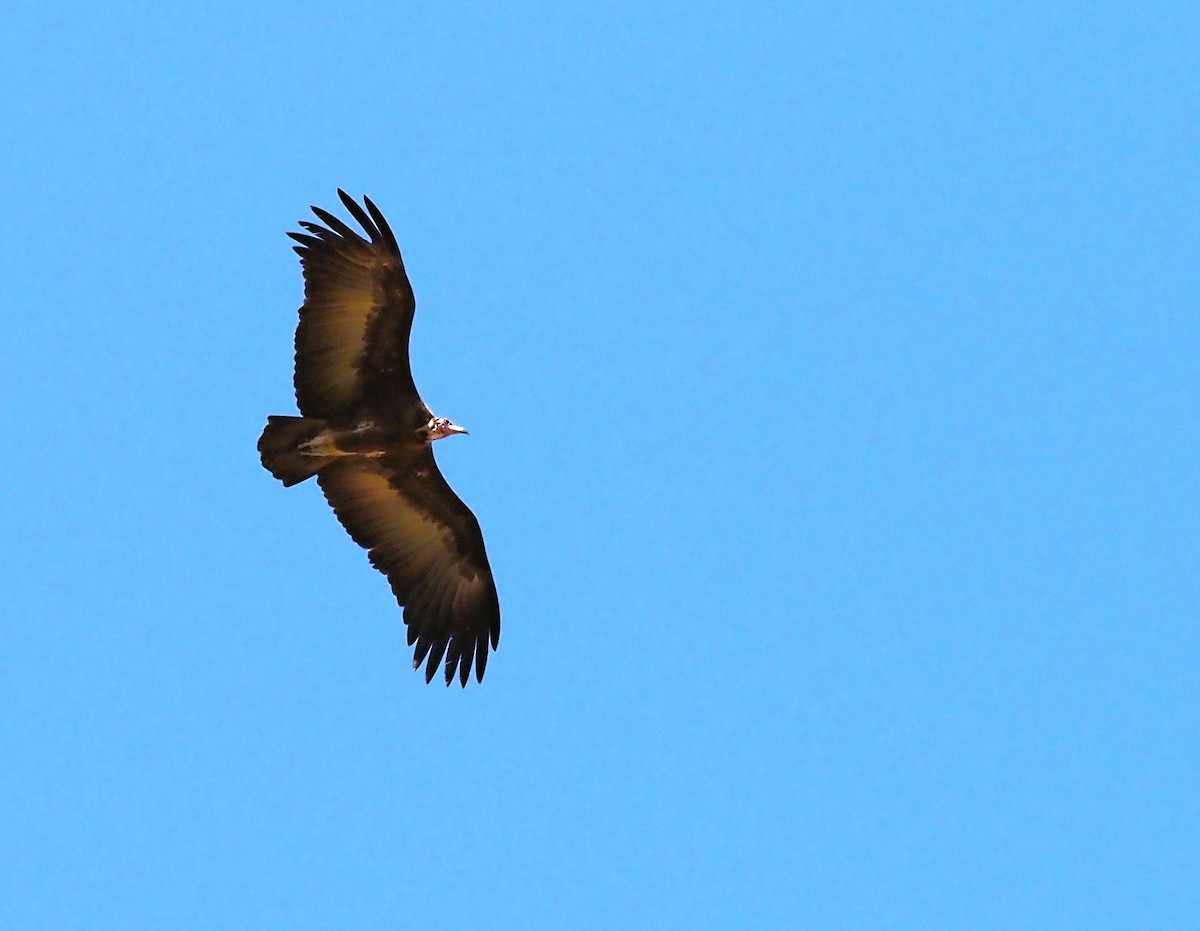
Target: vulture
[{"x": 367, "y": 436}]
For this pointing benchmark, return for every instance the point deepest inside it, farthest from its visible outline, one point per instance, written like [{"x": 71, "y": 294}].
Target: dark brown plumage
[{"x": 367, "y": 437}]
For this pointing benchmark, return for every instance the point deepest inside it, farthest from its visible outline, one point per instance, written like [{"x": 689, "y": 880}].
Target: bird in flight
[{"x": 367, "y": 436}]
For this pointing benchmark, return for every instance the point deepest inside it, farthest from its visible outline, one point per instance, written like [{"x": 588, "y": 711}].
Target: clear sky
[{"x": 831, "y": 373}]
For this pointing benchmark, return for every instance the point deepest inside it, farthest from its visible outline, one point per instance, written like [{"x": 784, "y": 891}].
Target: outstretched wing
[
  {"x": 352, "y": 341},
  {"x": 429, "y": 545}
]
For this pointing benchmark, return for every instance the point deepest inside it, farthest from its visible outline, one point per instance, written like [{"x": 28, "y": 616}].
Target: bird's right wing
[{"x": 352, "y": 341}]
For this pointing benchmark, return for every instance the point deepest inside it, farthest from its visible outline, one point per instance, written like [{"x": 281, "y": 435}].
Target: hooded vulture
[{"x": 368, "y": 438}]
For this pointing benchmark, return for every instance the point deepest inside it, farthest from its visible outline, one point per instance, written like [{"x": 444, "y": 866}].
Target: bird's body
[{"x": 367, "y": 436}]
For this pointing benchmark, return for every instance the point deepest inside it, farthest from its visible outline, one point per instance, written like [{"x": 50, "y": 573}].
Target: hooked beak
[{"x": 438, "y": 428}]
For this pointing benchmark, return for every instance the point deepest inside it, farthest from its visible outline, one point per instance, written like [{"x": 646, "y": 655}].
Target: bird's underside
[{"x": 367, "y": 437}]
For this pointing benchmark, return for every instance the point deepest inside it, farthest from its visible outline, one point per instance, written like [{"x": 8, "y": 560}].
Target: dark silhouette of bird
[{"x": 367, "y": 436}]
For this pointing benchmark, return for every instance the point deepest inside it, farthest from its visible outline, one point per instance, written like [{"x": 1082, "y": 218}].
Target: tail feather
[{"x": 278, "y": 448}]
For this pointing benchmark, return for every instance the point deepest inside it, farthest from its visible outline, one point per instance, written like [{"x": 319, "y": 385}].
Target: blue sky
[{"x": 831, "y": 378}]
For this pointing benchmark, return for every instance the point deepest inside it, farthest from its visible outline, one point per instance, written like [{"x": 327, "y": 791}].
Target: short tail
[{"x": 278, "y": 448}]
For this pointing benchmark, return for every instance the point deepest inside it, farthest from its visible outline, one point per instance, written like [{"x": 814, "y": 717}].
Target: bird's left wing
[{"x": 429, "y": 545}]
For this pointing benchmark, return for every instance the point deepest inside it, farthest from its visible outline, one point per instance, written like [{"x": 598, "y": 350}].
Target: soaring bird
[{"x": 367, "y": 436}]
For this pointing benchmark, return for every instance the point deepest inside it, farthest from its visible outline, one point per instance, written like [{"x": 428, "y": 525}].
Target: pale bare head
[{"x": 439, "y": 428}]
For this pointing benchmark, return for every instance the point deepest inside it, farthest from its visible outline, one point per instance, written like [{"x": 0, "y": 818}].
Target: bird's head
[{"x": 439, "y": 428}]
